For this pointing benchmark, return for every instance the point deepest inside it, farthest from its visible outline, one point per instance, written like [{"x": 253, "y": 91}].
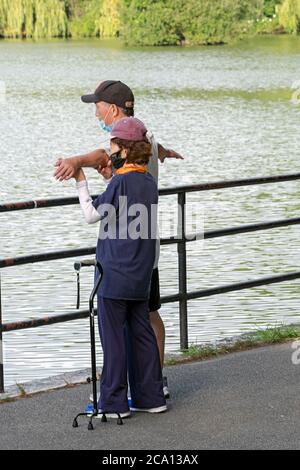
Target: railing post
[
  {"x": 1, "y": 348},
  {"x": 181, "y": 248}
]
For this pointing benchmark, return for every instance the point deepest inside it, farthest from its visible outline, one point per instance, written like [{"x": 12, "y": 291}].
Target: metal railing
[{"x": 181, "y": 240}]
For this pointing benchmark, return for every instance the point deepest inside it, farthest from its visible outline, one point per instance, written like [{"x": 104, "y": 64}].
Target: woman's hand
[{"x": 106, "y": 171}]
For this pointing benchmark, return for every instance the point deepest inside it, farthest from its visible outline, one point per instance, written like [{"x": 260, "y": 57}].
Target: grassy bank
[
  {"x": 258, "y": 338},
  {"x": 149, "y": 22}
]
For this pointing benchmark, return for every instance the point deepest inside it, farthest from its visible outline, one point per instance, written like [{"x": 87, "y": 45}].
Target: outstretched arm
[
  {"x": 164, "y": 153},
  {"x": 66, "y": 168}
]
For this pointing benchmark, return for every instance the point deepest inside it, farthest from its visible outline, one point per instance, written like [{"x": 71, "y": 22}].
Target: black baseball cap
[{"x": 113, "y": 92}]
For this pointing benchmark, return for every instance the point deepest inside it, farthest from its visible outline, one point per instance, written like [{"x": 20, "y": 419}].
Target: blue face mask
[{"x": 103, "y": 126}]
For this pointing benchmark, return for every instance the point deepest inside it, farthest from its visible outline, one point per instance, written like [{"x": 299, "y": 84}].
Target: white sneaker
[{"x": 159, "y": 409}]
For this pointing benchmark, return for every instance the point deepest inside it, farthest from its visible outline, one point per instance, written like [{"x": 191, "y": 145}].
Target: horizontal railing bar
[
  {"x": 46, "y": 203},
  {"x": 233, "y": 230},
  {"x": 232, "y": 287},
  {"x": 252, "y": 227},
  {"x": 50, "y": 320},
  {"x": 38, "y": 204},
  {"x": 36, "y": 258},
  {"x": 164, "y": 300},
  {"x": 50, "y": 256},
  {"x": 228, "y": 184},
  {"x": 244, "y": 285}
]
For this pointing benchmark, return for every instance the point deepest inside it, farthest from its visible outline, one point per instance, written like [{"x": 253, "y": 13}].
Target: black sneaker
[{"x": 165, "y": 388}]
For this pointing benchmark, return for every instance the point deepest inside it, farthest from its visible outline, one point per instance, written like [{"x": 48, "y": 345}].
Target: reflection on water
[{"x": 227, "y": 109}]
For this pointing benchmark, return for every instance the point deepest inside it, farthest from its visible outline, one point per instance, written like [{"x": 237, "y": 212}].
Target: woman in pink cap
[{"x": 126, "y": 249}]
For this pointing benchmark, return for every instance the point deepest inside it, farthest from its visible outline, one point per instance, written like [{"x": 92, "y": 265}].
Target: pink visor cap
[{"x": 129, "y": 128}]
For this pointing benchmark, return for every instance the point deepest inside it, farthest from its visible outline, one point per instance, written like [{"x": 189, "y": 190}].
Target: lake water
[{"x": 227, "y": 109}]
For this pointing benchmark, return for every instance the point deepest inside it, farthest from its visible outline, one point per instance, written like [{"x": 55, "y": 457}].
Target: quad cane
[{"x": 92, "y": 312}]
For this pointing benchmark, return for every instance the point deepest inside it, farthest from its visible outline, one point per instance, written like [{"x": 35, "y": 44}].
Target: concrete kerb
[{"x": 44, "y": 385}]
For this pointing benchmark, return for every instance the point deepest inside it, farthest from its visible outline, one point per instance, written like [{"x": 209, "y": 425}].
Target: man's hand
[
  {"x": 164, "y": 153},
  {"x": 66, "y": 168},
  {"x": 171, "y": 154}
]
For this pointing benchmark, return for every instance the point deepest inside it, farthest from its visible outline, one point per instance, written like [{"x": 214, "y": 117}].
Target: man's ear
[{"x": 115, "y": 110}]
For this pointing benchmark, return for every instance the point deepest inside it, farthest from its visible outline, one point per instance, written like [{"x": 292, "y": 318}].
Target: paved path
[{"x": 244, "y": 400}]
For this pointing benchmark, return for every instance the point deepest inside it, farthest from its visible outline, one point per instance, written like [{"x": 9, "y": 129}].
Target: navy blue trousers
[{"x": 129, "y": 346}]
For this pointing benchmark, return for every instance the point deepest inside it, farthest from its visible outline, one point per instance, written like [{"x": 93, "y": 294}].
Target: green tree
[
  {"x": 269, "y": 8},
  {"x": 148, "y": 22},
  {"x": 196, "y": 21},
  {"x": 33, "y": 18},
  {"x": 289, "y": 16},
  {"x": 83, "y": 15},
  {"x": 108, "y": 23}
]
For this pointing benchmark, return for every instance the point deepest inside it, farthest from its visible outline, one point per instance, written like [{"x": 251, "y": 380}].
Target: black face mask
[{"x": 117, "y": 160}]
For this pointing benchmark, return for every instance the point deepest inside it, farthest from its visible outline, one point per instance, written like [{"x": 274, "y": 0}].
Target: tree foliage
[
  {"x": 33, "y": 18},
  {"x": 200, "y": 22},
  {"x": 289, "y": 16},
  {"x": 148, "y": 22}
]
